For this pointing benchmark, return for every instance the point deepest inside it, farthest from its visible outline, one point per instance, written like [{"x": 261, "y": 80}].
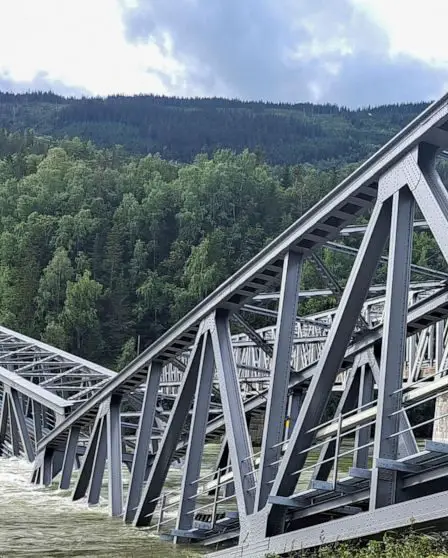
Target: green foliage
[
  {"x": 180, "y": 128},
  {"x": 406, "y": 545},
  {"x": 98, "y": 248}
]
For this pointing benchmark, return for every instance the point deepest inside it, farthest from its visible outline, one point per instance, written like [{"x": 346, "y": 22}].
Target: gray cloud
[
  {"x": 40, "y": 82},
  {"x": 272, "y": 50}
]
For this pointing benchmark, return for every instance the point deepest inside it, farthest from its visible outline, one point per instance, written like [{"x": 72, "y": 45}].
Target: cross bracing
[{"x": 293, "y": 489}]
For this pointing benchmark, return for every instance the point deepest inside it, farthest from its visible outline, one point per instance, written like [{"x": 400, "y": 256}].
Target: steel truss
[
  {"x": 298, "y": 490},
  {"x": 39, "y": 386}
]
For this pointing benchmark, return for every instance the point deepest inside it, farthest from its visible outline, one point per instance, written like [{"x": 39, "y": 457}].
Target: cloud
[
  {"x": 280, "y": 50},
  {"x": 40, "y": 82}
]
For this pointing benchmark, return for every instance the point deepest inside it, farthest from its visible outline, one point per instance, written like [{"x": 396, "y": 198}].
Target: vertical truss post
[
  {"x": 240, "y": 449},
  {"x": 193, "y": 459},
  {"x": 274, "y": 424},
  {"x": 99, "y": 464},
  {"x": 19, "y": 416},
  {"x": 328, "y": 367},
  {"x": 114, "y": 457},
  {"x": 144, "y": 433},
  {"x": 69, "y": 457},
  {"x": 362, "y": 436},
  {"x": 384, "y": 481},
  {"x": 171, "y": 435}
]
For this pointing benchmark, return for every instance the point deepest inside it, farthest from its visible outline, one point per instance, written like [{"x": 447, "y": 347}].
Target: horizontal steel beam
[
  {"x": 428, "y": 510},
  {"x": 34, "y": 391},
  {"x": 419, "y": 225},
  {"x": 416, "y": 268},
  {"x": 426, "y": 285},
  {"x": 57, "y": 352}
]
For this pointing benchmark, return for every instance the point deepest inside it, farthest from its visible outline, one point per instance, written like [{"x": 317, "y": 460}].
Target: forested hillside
[
  {"x": 179, "y": 129},
  {"x": 97, "y": 247}
]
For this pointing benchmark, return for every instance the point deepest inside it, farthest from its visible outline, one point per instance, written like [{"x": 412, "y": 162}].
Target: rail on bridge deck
[{"x": 318, "y": 472}]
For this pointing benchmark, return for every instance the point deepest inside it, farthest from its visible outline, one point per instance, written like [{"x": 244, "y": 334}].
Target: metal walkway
[{"x": 325, "y": 467}]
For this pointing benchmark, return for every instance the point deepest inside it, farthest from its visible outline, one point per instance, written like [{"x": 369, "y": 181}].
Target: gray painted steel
[
  {"x": 276, "y": 406},
  {"x": 359, "y": 352}
]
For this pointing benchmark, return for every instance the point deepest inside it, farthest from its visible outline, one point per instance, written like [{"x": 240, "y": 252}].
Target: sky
[{"x": 349, "y": 52}]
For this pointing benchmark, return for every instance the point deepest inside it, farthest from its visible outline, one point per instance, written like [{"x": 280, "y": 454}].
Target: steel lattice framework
[{"x": 292, "y": 488}]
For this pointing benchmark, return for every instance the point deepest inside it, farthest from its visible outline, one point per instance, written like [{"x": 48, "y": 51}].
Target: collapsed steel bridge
[{"x": 317, "y": 472}]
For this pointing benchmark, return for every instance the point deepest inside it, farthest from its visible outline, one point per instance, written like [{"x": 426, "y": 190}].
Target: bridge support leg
[
  {"x": 14, "y": 429},
  {"x": 99, "y": 464},
  {"x": 114, "y": 457},
  {"x": 276, "y": 406},
  {"x": 144, "y": 432},
  {"x": 22, "y": 428},
  {"x": 69, "y": 457},
  {"x": 4, "y": 421},
  {"x": 85, "y": 473},
  {"x": 193, "y": 459},
  {"x": 384, "y": 482},
  {"x": 47, "y": 467}
]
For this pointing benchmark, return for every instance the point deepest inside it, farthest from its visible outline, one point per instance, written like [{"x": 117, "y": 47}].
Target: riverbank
[{"x": 407, "y": 545}]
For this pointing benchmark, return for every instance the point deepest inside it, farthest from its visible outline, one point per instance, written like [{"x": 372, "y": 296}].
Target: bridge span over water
[{"x": 328, "y": 426}]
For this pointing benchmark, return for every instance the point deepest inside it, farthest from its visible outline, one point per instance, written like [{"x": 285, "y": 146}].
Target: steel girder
[
  {"x": 276, "y": 507},
  {"x": 40, "y": 385}
]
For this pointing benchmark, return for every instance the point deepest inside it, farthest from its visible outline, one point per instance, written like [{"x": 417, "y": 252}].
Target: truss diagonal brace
[
  {"x": 236, "y": 426},
  {"x": 193, "y": 459},
  {"x": 162, "y": 461}
]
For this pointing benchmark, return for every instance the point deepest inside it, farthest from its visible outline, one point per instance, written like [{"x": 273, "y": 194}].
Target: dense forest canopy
[
  {"x": 179, "y": 129},
  {"x": 100, "y": 245}
]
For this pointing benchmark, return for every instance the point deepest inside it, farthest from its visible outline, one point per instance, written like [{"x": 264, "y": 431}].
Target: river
[{"x": 40, "y": 522}]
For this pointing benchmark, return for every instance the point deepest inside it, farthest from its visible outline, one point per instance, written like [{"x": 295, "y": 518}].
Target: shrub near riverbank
[{"x": 410, "y": 545}]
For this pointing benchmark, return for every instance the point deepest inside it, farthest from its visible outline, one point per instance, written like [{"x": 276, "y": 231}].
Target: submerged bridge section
[{"x": 327, "y": 467}]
